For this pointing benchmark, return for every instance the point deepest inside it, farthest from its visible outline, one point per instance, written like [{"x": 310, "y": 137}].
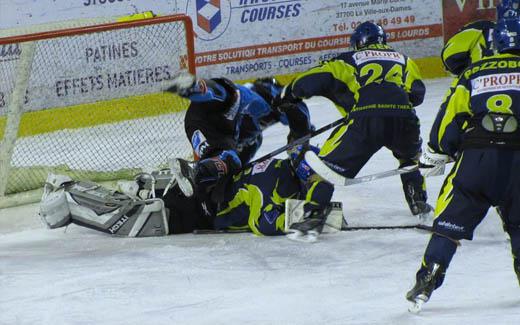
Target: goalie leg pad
[
  {"x": 54, "y": 210},
  {"x": 93, "y": 206}
]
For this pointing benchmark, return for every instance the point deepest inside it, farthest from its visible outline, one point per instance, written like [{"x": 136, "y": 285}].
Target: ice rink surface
[{"x": 79, "y": 276}]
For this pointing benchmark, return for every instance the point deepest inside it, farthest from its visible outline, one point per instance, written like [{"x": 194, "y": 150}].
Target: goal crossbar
[{"x": 112, "y": 26}]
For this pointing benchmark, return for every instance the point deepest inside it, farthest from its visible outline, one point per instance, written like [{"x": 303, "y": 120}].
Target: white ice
[{"x": 79, "y": 276}]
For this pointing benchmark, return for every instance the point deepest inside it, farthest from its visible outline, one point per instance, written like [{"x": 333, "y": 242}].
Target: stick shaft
[{"x": 298, "y": 141}]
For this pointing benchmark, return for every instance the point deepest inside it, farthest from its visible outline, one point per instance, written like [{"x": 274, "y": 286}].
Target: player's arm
[
  {"x": 413, "y": 83},
  {"x": 450, "y": 120},
  {"x": 467, "y": 46},
  {"x": 334, "y": 80},
  {"x": 328, "y": 80}
]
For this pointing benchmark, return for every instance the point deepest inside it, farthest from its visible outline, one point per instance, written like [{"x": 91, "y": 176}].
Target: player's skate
[
  {"x": 310, "y": 227},
  {"x": 422, "y": 210},
  {"x": 424, "y": 287},
  {"x": 416, "y": 199},
  {"x": 184, "y": 173}
]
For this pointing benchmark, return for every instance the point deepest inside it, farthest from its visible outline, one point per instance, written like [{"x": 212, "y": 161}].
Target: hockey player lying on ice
[
  {"x": 153, "y": 204},
  {"x": 224, "y": 124}
]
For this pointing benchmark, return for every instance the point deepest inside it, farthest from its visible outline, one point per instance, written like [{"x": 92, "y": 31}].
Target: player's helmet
[
  {"x": 508, "y": 9},
  {"x": 367, "y": 33},
  {"x": 506, "y": 36},
  {"x": 268, "y": 88}
]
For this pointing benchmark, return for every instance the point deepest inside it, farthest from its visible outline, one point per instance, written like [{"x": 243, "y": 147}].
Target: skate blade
[
  {"x": 296, "y": 235},
  {"x": 183, "y": 182},
  {"x": 416, "y": 307}
]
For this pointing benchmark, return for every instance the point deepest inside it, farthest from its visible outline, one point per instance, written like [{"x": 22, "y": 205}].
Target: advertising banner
[
  {"x": 241, "y": 39},
  {"x": 22, "y": 13},
  {"x": 458, "y": 13},
  {"x": 95, "y": 67}
]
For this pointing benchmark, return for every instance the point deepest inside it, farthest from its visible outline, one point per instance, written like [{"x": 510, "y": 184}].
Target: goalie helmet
[
  {"x": 506, "y": 36},
  {"x": 367, "y": 33}
]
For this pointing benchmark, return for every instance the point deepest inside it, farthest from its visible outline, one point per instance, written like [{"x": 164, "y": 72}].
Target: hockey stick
[
  {"x": 297, "y": 142},
  {"x": 416, "y": 226},
  {"x": 334, "y": 178},
  {"x": 347, "y": 228}
]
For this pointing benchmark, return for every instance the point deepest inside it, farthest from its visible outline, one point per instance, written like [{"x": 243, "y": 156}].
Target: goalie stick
[{"x": 334, "y": 178}]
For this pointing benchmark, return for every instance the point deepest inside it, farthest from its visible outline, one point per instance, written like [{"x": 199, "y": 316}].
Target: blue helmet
[
  {"x": 367, "y": 33},
  {"x": 506, "y": 35},
  {"x": 508, "y": 9},
  {"x": 268, "y": 88}
]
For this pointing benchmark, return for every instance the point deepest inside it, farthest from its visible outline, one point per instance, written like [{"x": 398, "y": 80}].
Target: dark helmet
[
  {"x": 268, "y": 88},
  {"x": 506, "y": 35},
  {"x": 367, "y": 33},
  {"x": 508, "y": 9}
]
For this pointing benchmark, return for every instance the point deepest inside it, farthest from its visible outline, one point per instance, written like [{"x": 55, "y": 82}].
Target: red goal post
[{"x": 89, "y": 102}]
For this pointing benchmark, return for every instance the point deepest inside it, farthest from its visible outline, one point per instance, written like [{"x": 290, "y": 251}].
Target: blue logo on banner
[
  {"x": 209, "y": 14},
  {"x": 212, "y": 17}
]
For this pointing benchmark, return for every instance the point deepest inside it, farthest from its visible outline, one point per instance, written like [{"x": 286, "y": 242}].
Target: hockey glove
[
  {"x": 182, "y": 84},
  {"x": 301, "y": 167},
  {"x": 433, "y": 163}
]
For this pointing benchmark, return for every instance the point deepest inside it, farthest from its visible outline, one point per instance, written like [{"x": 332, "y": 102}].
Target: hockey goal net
[{"x": 89, "y": 102}]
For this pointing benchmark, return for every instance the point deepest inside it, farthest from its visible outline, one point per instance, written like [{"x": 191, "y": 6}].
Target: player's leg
[
  {"x": 258, "y": 199},
  {"x": 405, "y": 142},
  {"x": 512, "y": 227},
  {"x": 509, "y": 212},
  {"x": 346, "y": 151},
  {"x": 90, "y": 205},
  {"x": 459, "y": 210}
]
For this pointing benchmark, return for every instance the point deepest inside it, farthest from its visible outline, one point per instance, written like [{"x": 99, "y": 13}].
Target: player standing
[
  {"x": 377, "y": 88},
  {"x": 479, "y": 129}
]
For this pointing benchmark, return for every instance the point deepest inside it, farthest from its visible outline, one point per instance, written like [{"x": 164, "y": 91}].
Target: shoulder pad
[
  {"x": 483, "y": 25},
  {"x": 230, "y": 88}
]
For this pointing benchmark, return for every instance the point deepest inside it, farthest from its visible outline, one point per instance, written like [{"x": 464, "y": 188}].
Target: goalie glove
[
  {"x": 183, "y": 84},
  {"x": 433, "y": 163}
]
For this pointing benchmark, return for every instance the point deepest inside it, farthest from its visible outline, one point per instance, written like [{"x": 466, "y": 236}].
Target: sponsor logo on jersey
[
  {"x": 334, "y": 167},
  {"x": 261, "y": 167},
  {"x": 495, "y": 83},
  {"x": 374, "y": 55},
  {"x": 271, "y": 216},
  {"x": 451, "y": 226},
  {"x": 199, "y": 143}
]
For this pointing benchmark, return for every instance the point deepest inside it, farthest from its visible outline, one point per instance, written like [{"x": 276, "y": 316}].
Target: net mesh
[{"x": 94, "y": 107}]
